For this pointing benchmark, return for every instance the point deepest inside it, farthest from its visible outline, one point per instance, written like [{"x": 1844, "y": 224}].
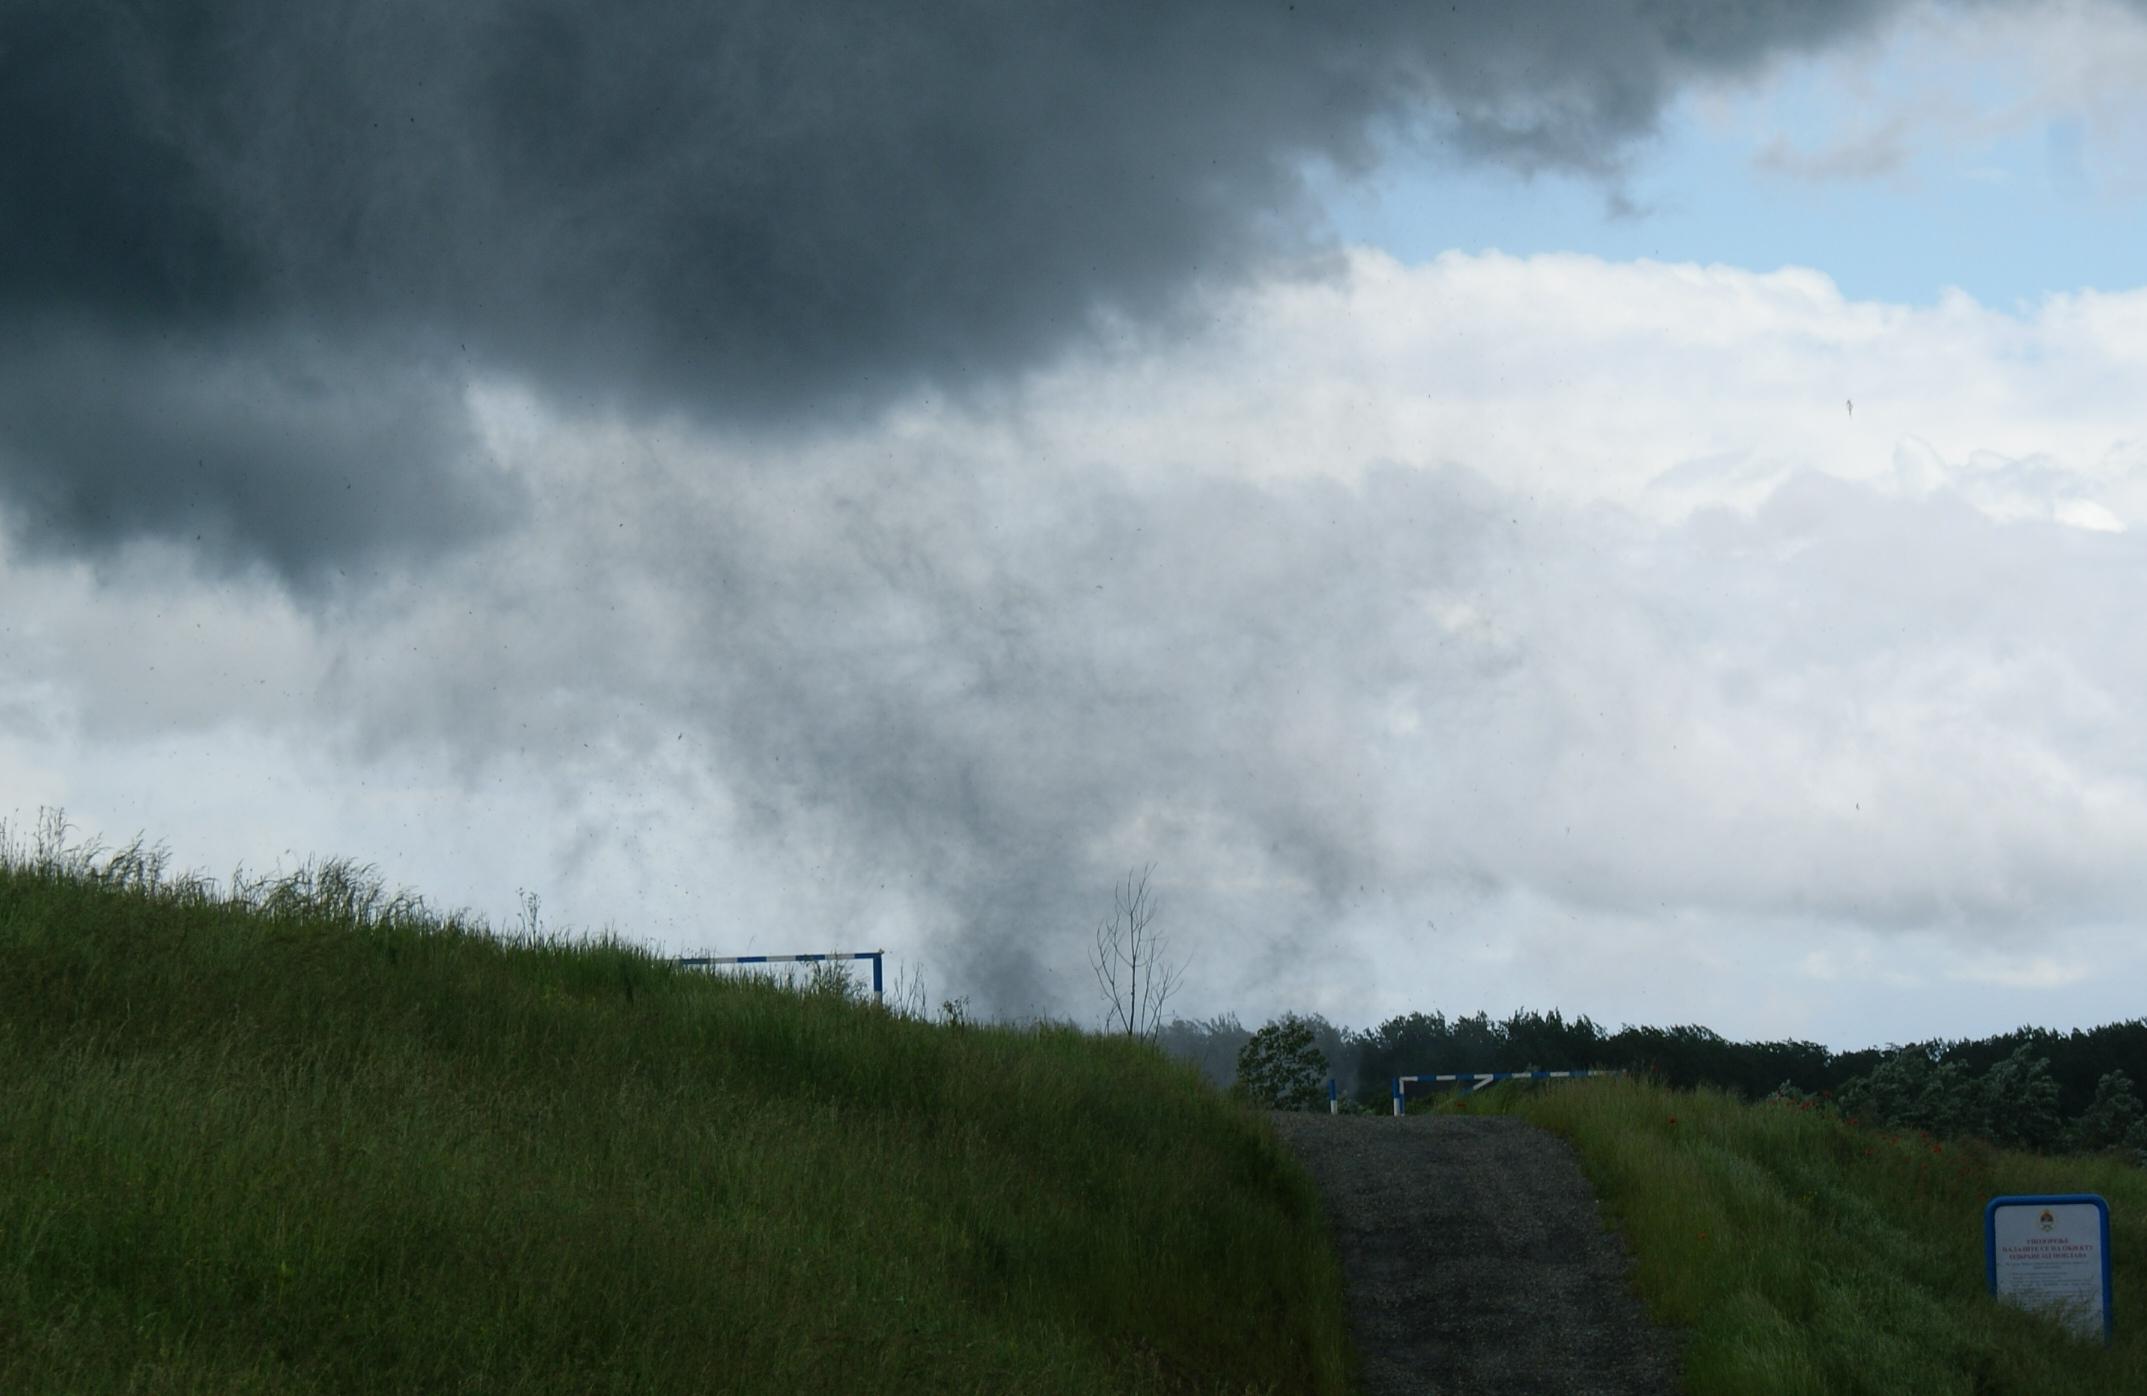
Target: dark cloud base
[
  {"x": 765, "y": 215},
  {"x": 313, "y": 460}
]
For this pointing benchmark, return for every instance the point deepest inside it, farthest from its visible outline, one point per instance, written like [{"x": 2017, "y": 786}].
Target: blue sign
[{"x": 2050, "y": 1252}]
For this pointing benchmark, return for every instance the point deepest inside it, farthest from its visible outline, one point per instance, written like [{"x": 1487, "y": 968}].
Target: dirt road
[{"x": 1476, "y": 1260}]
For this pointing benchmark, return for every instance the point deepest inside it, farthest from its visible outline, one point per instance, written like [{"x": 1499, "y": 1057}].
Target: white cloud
[{"x": 1486, "y": 632}]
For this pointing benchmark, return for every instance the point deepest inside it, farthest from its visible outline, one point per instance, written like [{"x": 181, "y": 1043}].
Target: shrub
[
  {"x": 1282, "y": 1067},
  {"x": 831, "y": 979},
  {"x": 2020, "y": 1102},
  {"x": 2114, "y": 1120},
  {"x": 2014, "y": 1103}
]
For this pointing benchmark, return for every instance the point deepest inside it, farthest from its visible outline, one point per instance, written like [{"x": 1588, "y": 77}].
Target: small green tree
[
  {"x": 2020, "y": 1102},
  {"x": 2114, "y": 1119},
  {"x": 1954, "y": 1102},
  {"x": 1894, "y": 1092},
  {"x": 1282, "y": 1067}
]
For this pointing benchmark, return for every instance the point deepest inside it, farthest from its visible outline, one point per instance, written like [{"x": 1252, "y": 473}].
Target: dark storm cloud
[
  {"x": 764, "y": 214},
  {"x": 273, "y": 449}
]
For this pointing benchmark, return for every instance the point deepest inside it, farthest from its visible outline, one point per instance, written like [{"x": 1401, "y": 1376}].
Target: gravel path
[{"x": 1476, "y": 1260}]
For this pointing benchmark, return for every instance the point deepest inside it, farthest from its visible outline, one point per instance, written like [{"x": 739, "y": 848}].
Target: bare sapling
[{"x": 1135, "y": 978}]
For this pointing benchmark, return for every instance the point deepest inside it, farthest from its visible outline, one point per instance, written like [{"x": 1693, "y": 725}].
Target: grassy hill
[
  {"x": 1807, "y": 1255},
  {"x": 308, "y": 1138}
]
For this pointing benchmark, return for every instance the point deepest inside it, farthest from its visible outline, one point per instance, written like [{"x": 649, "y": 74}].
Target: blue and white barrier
[
  {"x": 702, "y": 961},
  {"x": 1477, "y": 1080}
]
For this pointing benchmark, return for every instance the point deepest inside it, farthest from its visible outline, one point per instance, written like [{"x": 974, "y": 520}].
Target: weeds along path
[{"x": 1475, "y": 1259}]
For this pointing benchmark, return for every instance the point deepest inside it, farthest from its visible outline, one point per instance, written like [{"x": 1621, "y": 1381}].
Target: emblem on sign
[{"x": 2047, "y": 1221}]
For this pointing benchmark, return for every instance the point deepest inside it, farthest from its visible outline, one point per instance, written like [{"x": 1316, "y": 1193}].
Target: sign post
[{"x": 2050, "y": 1252}]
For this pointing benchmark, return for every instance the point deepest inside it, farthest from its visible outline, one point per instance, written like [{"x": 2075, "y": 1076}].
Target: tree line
[{"x": 2030, "y": 1088}]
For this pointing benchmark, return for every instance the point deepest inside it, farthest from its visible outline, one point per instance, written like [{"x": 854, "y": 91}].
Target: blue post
[
  {"x": 876, "y": 955},
  {"x": 1397, "y": 1095},
  {"x": 1332, "y": 1107}
]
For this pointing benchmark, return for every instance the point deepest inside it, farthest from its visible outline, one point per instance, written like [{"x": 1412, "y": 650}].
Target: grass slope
[
  {"x": 308, "y": 1139},
  {"x": 1807, "y": 1255}
]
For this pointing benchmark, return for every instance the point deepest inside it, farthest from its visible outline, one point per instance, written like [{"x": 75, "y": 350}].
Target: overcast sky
[{"x": 1627, "y": 508}]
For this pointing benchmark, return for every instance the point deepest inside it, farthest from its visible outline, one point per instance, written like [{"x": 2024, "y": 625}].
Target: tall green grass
[
  {"x": 308, "y": 1138},
  {"x": 1807, "y": 1255}
]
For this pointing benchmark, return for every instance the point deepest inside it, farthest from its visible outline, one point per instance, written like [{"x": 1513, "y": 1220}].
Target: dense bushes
[
  {"x": 2114, "y": 1118},
  {"x": 2015, "y": 1102}
]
